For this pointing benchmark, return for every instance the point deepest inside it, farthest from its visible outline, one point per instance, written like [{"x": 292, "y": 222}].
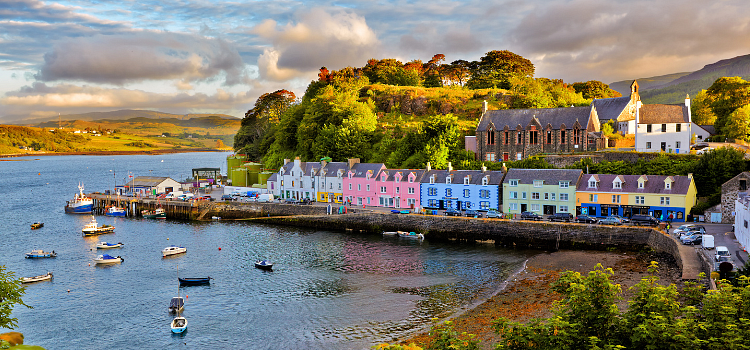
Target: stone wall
[
  {"x": 730, "y": 191},
  {"x": 233, "y": 210}
]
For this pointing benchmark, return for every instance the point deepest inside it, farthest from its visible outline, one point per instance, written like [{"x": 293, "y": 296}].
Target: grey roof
[
  {"x": 331, "y": 169},
  {"x": 146, "y": 181},
  {"x": 655, "y": 184},
  {"x": 311, "y": 168},
  {"x": 286, "y": 169},
  {"x": 663, "y": 114},
  {"x": 496, "y": 176},
  {"x": 610, "y": 108},
  {"x": 404, "y": 174},
  {"x": 274, "y": 177},
  {"x": 555, "y": 117},
  {"x": 709, "y": 129},
  {"x": 361, "y": 169},
  {"x": 549, "y": 176}
]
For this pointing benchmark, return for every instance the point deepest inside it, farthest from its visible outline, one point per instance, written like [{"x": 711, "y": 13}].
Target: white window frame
[
  {"x": 513, "y": 183},
  {"x": 383, "y": 189},
  {"x": 512, "y": 206},
  {"x": 562, "y": 208},
  {"x": 535, "y": 207},
  {"x": 564, "y": 197},
  {"x": 538, "y": 183},
  {"x": 513, "y": 195},
  {"x": 523, "y": 195},
  {"x": 564, "y": 184},
  {"x": 535, "y": 196},
  {"x": 466, "y": 193},
  {"x": 368, "y": 189},
  {"x": 466, "y": 180},
  {"x": 350, "y": 186},
  {"x": 359, "y": 187},
  {"x": 411, "y": 190}
]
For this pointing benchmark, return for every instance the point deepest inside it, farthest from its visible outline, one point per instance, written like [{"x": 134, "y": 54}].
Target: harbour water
[{"x": 328, "y": 290}]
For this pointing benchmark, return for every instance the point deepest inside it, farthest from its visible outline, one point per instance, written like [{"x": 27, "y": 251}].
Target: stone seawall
[{"x": 233, "y": 210}]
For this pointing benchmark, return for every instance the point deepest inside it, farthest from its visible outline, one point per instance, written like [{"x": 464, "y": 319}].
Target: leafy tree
[
  {"x": 434, "y": 71},
  {"x": 543, "y": 93},
  {"x": 717, "y": 167},
  {"x": 458, "y": 72},
  {"x": 700, "y": 109},
  {"x": 738, "y": 124},
  {"x": 595, "y": 89},
  {"x": 496, "y": 68},
  {"x": 608, "y": 128},
  {"x": 727, "y": 94},
  {"x": 391, "y": 71},
  {"x": 267, "y": 111},
  {"x": 11, "y": 292}
]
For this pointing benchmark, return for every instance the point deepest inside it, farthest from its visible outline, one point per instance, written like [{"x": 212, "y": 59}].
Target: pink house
[
  {"x": 398, "y": 188},
  {"x": 360, "y": 183}
]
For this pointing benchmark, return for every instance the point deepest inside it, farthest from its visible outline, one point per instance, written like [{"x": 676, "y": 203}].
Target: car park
[
  {"x": 492, "y": 214},
  {"x": 692, "y": 239},
  {"x": 683, "y": 228},
  {"x": 586, "y": 219},
  {"x": 610, "y": 220},
  {"x": 452, "y": 212},
  {"x": 644, "y": 220},
  {"x": 473, "y": 213},
  {"x": 567, "y": 217},
  {"x": 528, "y": 215}
]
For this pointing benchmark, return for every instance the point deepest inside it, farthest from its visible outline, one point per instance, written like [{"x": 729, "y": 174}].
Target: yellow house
[{"x": 600, "y": 195}]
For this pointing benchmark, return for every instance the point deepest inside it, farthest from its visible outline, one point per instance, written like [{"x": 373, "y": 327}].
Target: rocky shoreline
[
  {"x": 113, "y": 153},
  {"x": 528, "y": 295}
]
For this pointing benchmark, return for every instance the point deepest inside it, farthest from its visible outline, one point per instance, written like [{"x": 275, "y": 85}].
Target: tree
[
  {"x": 457, "y": 73},
  {"x": 700, "y": 109},
  {"x": 608, "y": 128},
  {"x": 738, "y": 124},
  {"x": 496, "y": 68},
  {"x": 11, "y": 292},
  {"x": 717, "y": 167},
  {"x": 727, "y": 94},
  {"x": 434, "y": 71},
  {"x": 267, "y": 112},
  {"x": 595, "y": 89}
]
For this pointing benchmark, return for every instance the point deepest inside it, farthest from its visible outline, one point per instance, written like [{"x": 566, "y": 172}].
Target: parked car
[
  {"x": 693, "y": 239},
  {"x": 529, "y": 215},
  {"x": 492, "y": 214},
  {"x": 610, "y": 220},
  {"x": 644, "y": 220},
  {"x": 683, "y": 228},
  {"x": 622, "y": 219},
  {"x": 227, "y": 197},
  {"x": 724, "y": 261},
  {"x": 306, "y": 201},
  {"x": 290, "y": 201},
  {"x": 452, "y": 212},
  {"x": 704, "y": 150},
  {"x": 721, "y": 251},
  {"x": 586, "y": 219},
  {"x": 567, "y": 217},
  {"x": 473, "y": 213}
]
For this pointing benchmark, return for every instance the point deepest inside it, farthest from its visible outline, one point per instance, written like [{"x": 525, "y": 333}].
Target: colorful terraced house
[{"x": 542, "y": 191}]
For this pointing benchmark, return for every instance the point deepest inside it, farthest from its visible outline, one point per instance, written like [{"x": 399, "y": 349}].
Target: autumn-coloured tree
[
  {"x": 324, "y": 75},
  {"x": 457, "y": 73},
  {"x": 595, "y": 89},
  {"x": 496, "y": 68},
  {"x": 434, "y": 71}
]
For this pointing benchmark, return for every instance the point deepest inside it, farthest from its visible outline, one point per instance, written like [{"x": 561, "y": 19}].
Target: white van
[
  {"x": 186, "y": 196},
  {"x": 265, "y": 197},
  {"x": 707, "y": 241},
  {"x": 721, "y": 251},
  {"x": 173, "y": 195}
]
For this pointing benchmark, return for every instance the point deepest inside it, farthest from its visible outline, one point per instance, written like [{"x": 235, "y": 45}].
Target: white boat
[
  {"x": 38, "y": 253},
  {"x": 411, "y": 235},
  {"x": 105, "y": 245},
  {"x": 45, "y": 277},
  {"x": 158, "y": 213},
  {"x": 93, "y": 228},
  {"x": 80, "y": 204},
  {"x": 179, "y": 324},
  {"x": 390, "y": 233},
  {"x": 172, "y": 250},
  {"x": 108, "y": 259},
  {"x": 115, "y": 211}
]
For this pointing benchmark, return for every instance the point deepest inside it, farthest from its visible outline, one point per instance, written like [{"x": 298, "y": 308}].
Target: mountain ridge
[{"x": 122, "y": 114}]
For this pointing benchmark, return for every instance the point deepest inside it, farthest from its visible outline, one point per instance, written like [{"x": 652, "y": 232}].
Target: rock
[{"x": 14, "y": 338}]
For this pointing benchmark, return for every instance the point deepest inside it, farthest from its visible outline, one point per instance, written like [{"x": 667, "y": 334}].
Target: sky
[{"x": 204, "y": 56}]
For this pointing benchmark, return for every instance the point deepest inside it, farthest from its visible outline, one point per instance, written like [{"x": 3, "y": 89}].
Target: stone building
[
  {"x": 514, "y": 134},
  {"x": 731, "y": 190}
]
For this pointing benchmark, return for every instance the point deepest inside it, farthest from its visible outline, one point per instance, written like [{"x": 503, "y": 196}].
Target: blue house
[{"x": 461, "y": 189}]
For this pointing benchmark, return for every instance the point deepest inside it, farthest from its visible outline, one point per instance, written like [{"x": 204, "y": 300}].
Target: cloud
[
  {"x": 146, "y": 55},
  {"x": 317, "y": 39}
]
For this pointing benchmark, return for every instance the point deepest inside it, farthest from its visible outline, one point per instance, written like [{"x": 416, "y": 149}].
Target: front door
[
  {"x": 442, "y": 204},
  {"x": 663, "y": 146},
  {"x": 458, "y": 205},
  {"x": 523, "y": 208},
  {"x": 549, "y": 209}
]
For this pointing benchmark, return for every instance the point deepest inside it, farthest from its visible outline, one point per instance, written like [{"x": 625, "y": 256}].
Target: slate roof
[
  {"x": 333, "y": 168},
  {"x": 360, "y": 169},
  {"x": 404, "y": 174},
  {"x": 496, "y": 176},
  {"x": 549, "y": 176},
  {"x": 610, "y": 108},
  {"x": 655, "y": 184},
  {"x": 663, "y": 114},
  {"x": 709, "y": 128},
  {"x": 286, "y": 169},
  {"x": 273, "y": 178},
  {"x": 553, "y": 116},
  {"x": 146, "y": 181}
]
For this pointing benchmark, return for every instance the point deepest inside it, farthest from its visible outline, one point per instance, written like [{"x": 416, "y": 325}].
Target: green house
[{"x": 542, "y": 191}]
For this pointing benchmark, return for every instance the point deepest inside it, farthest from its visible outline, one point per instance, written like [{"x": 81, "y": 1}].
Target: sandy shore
[{"x": 528, "y": 294}]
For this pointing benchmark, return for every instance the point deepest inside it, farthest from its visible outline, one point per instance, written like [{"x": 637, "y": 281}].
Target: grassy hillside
[{"x": 113, "y": 115}]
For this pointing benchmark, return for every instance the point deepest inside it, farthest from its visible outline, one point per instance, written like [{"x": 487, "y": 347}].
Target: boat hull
[
  {"x": 108, "y": 261},
  {"x": 104, "y": 246},
  {"x": 115, "y": 212},
  {"x": 37, "y": 225},
  {"x": 46, "y": 277},
  {"x": 98, "y": 231},
  {"x": 178, "y": 325},
  {"x": 165, "y": 253},
  {"x": 194, "y": 281},
  {"x": 79, "y": 208}
]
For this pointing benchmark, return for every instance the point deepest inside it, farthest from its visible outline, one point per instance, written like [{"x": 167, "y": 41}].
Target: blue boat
[
  {"x": 80, "y": 203},
  {"x": 194, "y": 281},
  {"x": 38, "y": 254},
  {"x": 115, "y": 211},
  {"x": 263, "y": 265}
]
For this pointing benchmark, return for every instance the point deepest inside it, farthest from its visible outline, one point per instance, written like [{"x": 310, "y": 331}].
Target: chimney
[
  {"x": 687, "y": 104},
  {"x": 428, "y": 167},
  {"x": 690, "y": 175},
  {"x": 504, "y": 168},
  {"x": 484, "y": 106},
  {"x": 484, "y": 168},
  {"x": 352, "y": 161},
  {"x": 286, "y": 161},
  {"x": 297, "y": 161},
  {"x": 450, "y": 167}
]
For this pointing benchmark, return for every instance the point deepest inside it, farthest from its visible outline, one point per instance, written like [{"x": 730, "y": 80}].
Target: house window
[
  {"x": 513, "y": 183},
  {"x": 678, "y": 127},
  {"x": 664, "y": 128},
  {"x": 640, "y": 184},
  {"x": 617, "y": 184},
  {"x": 466, "y": 180},
  {"x": 564, "y": 184},
  {"x": 448, "y": 179},
  {"x": 592, "y": 183},
  {"x": 359, "y": 200},
  {"x": 546, "y": 196},
  {"x": 519, "y": 138},
  {"x": 577, "y": 136},
  {"x": 432, "y": 203},
  {"x": 485, "y": 181},
  {"x": 382, "y": 189},
  {"x": 491, "y": 137},
  {"x": 339, "y": 186},
  {"x": 535, "y": 207},
  {"x": 411, "y": 179},
  {"x": 549, "y": 136},
  {"x": 593, "y": 198},
  {"x": 648, "y": 128},
  {"x": 368, "y": 200},
  {"x": 743, "y": 185},
  {"x": 535, "y": 195},
  {"x": 523, "y": 195},
  {"x": 330, "y": 185},
  {"x": 533, "y": 137},
  {"x": 368, "y": 187},
  {"x": 432, "y": 191},
  {"x": 484, "y": 194},
  {"x": 359, "y": 187},
  {"x": 490, "y": 156},
  {"x": 513, "y": 206},
  {"x": 519, "y": 156},
  {"x": 648, "y": 145},
  {"x": 563, "y": 197},
  {"x": 639, "y": 200},
  {"x": 398, "y": 190},
  {"x": 677, "y": 144},
  {"x": 615, "y": 198},
  {"x": 562, "y": 136},
  {"x": 513, "y": 195},
  {"x": 664, "y": 200},
  {"x": 282, "y": 182},
  {"x": 411, "y": 190},
  {"x": 432, "y": 179},
  {"x": 553, "y": 195},
  {"x": 350, "y": 187},
  {"x": 466, "y": 193},
  {"x": 411, "y": 202},
  {"x": 562, "y": 209},
  {"x": 538, "y": 183},
  {"x": 448, "y": 192},
  {"x": 667, "y": 185},
  {"x": 398, "y": 179},
  {"x": 507, "y": 138},
  {"x": 484, "y": 205}
]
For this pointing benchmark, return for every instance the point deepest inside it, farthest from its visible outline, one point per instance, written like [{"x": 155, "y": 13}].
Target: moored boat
[
  {"x": 263, "y": 265},
  {"x": 93, "y": 228},
  {"x": 105, "y": 245},
  {"x": 38, "y": 253},
  {"x": 179, "y": 324},
  {"x": 411, "y": 235},
  {"x": 45, "y": 277},
  {"x": 37, "y": 225},
  {"x": 194, "y": 281},
  {"x": 177, "y": 304},
  {"x": 80, "y": 204},
  {"x": 172, "y": 250},
  {"x": 154, "y": 214},
  {"x": 108, "y": 259},
  {"x": 390, "y": 233},
  {"x": 115, "y": 211}
]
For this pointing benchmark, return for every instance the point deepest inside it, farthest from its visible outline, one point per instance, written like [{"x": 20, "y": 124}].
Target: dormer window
[
  {"x": 538, "y": 183},
  {"x": 432, "y": 179},
  {"x": 382, "y": 178},
  {"x": 617, "y": 185},
  {"x": 592, "y": 183},
  {"x": 448, "y": 179},
  {"x": 485, "y": 180},
  {"x": 640, "y": 184},
  {"x": 667, "y": 185},
  {"x": 466, "y": 180},
  {"x": 411, "y": 179},
  {"x": 513, "y": 183}
]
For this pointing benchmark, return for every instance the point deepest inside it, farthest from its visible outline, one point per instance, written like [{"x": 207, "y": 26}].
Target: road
[{"x": 723, "y": 236}]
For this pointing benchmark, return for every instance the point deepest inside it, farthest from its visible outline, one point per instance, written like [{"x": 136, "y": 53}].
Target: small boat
[
  {"x": 194, "y": 281},
  {"x": 105, "y": 245},
  {"x": 263, "y": 265},
  {"x": 37, "y": 225},
  {"x": 172, "y": 250},
  {"x": 215, "y": 218},
  {"x": 38, "y": 253},
  {"x": 115, "y": 211},
  {"x": 154, "y": 214},
  {"x": 45, "y": 277},
  {"x": 80, "y": 204},
  {"x": 390, "y": 233},
  {"x": 108, "y": 259},
  {"x": 93, "y": 228},
  {"x": 179, "y": 324},
  {"x": 177, "y": 304},
  {"x": 411, "y": 235}
]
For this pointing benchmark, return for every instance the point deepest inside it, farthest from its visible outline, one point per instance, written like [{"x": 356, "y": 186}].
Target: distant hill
[
  {"x": 113, "y": 115},
  {"x": 662, "y": 89}
]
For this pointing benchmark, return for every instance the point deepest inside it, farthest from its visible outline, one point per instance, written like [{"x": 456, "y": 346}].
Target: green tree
[
  {"x": 608, "y": 128},
  {"x": 727, "y": 94},
  {"x": 595, "y": 89},
  {"x": 496, "y": 68},
  {"x": 700, "y": 109},
  {"x": 264, "y": 116},
  {"x": 11, "y": 292},
  {"x": 738, "y": 124},
  {"x": 717, "y": 167}
]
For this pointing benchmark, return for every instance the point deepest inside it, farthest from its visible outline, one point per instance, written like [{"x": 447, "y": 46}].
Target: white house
[
  {"x": 290, "y": 179},
  {"x": 702, "y": 132},
  {"x": 149, "y": 185},
  {"x": 742, "y": 221},
  {"x": 663, "y": 128}
]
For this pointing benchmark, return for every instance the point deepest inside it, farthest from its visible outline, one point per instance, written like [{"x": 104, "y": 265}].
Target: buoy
[
  {"x": 219, "y": 248},
  {"x": 89, "y": 264},
  {"x": 167, "y": 238},
  {"x": 40, "y": 173},
  {"x": 68, "y": 290}
]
